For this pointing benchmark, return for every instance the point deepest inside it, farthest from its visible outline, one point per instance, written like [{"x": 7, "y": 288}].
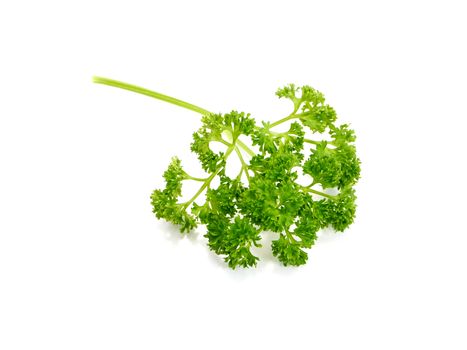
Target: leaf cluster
[{"x": 266, "y": 196}]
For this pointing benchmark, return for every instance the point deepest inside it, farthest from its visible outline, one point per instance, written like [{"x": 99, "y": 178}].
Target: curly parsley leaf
[{"x": 265, "y": 195}]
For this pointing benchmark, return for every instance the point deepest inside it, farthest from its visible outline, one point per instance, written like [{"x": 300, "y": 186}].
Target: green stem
[
  {"x": 239, "y": 176},
  {"x": 307, "y": 189},
  {"x": 169, "y": 99},
  {"x": 244, "y": 165},
  {"x": 189, "y": 177},
  {"x": 283, "y": 120},
  {"x": 208, "y": 180},
  {"x": 201, "y": 189},
  {"x": 143, "y": 91},
  {"x": 246, "y": 148},
  {"x": 312, "y": 141},
  {"x": 289, "y": 235},
  {"x": 228, "y": 144}
]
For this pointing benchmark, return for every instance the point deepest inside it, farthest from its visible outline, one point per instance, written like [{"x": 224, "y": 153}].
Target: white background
[{"x": 85, "y": 265}]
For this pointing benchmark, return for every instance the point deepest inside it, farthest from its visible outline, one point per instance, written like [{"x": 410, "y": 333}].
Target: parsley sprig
[{"x": 266, "y": 194}]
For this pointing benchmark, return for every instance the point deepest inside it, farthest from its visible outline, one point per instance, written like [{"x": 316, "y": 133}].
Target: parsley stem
[
  {"x": 307, "y": 189},
  {"x": 239, "y": 176},
  {"x": 283, "y": 120},
  {"x": 207, "y": 182},
  {"x": 289, "y": 235},
  {"x": 143, "y": 91},
  {"x": 189, "y": 177},
  {"x": 244, "y": 165},
  {"x": 162, "y": 97},
  {"x": 246, "y": 148},
  {"x": 224, "y": 142},
  {"x": 311, "y": 141}
]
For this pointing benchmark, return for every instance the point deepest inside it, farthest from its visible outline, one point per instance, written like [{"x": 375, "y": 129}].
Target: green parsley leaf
[{"x": 265, "y": 196}]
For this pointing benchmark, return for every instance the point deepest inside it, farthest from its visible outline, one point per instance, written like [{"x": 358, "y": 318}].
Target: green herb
[{"x": 265, "y": 195}]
